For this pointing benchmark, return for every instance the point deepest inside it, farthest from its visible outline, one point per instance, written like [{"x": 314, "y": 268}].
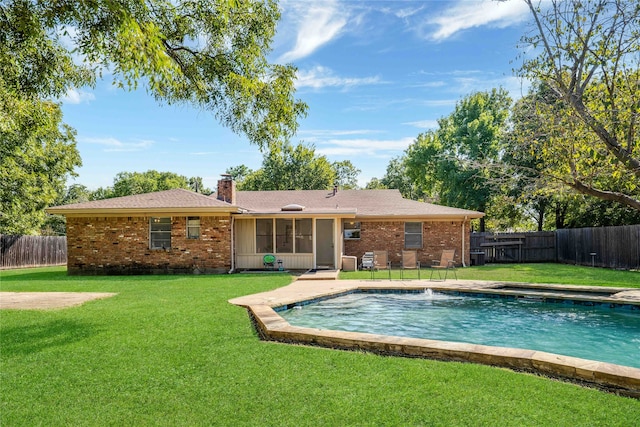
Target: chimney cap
[{"x": 226, "y": 176}]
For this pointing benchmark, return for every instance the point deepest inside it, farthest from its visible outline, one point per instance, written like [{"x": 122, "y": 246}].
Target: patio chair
[
  {"x": 380, "y": 262},
  {"x": 410, "y": 262},
  {"x": 446, "y": 263}
]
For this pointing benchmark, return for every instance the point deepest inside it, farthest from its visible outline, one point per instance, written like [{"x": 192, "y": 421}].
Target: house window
[
  {"x": 352, "y": 230},
  {"x": 304, "y": 236},
  {"x": 413, "y": 235},
  {"x": 193, "y": 227},
  {"x": 160, "y": 233},
  {"x": 291, "y": 235},
  {"x": 284, "y": 235},
  {"x": 264, "y": 236}
]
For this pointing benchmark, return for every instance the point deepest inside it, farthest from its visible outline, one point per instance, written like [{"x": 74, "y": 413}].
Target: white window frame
[
  {"x": 284, "y": 235},
  {"x": 291, "y": 233},
  {"x": 159, "y": 233},
  {"x": 299, "y": 237},
  {"x": 193, "y": 228},
  {"x": 272, "y": 235},
  {"x": 412, "y": 234},
  {"x": 352, "y": 233}
]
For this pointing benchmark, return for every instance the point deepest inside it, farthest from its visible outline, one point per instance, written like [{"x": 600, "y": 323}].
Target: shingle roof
[
  {"x": 386, "y": 203},
  {"x": 169, "y": 199},
  {"x": 361, "y": 203}
]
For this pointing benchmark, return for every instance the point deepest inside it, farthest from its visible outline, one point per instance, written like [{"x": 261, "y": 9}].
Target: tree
[
  {"x": 37, "y": 153},
  {"x": 346, "y": 174},
  {"x": 375, "y": 184},
  {"x": 239, "y": 173},
  {"x": 291, "y": 168},
  {"x": 210, "y": 54},
  {"x": 396, "y": 176},
  {"x": 588, "y": 55},
  {"x": 196, "y": 185},
  {"x": 130, "y": 183},
  {"x": 455, "y": 162},
  {"x": 56, "y": 224}
]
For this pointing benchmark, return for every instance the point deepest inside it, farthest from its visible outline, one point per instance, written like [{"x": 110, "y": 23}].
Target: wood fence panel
[
  {"x": 515, "y": 247},
  {"x": 613, "y": 247},
  {"x": 32, "y": 251}
]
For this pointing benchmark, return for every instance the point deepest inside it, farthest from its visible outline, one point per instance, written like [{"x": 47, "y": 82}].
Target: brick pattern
[
  {"x": 389, "y": 236},
  {"x": 120, "y": 245},
  {"x": 227, "y": 191}
]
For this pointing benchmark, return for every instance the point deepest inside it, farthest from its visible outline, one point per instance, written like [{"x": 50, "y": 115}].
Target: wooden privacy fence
[
  {"x": 32, "y": 251},
  {"x": 515, "y": 247},
  {"x": 610, "y": 247}
]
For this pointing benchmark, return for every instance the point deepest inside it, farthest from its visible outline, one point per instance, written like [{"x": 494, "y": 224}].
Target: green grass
[
  {"x": 532, "y": 273},
  {"x": 170, "y": 350}
]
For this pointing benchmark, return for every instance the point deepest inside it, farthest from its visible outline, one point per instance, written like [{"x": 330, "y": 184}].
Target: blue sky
[{"x": 375, "y": 74}]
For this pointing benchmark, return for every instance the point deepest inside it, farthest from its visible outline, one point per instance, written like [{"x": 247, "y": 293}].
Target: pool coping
[{"x": 623, "y": 380}]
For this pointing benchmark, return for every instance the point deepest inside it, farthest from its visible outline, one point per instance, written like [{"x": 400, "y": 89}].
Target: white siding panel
[
  {"x": 289, "y": 261},
  {"x": 245, "y": 237}
]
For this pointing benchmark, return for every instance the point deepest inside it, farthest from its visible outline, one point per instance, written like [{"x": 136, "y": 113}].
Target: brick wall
[
  {"x": 120, "y": 245},
  {"x": 389, "y": 236},
  {"x": 227, "y": 191}
]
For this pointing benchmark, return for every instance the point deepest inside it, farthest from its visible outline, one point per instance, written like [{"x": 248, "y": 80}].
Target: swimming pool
[{"x": 602, "y": 332}]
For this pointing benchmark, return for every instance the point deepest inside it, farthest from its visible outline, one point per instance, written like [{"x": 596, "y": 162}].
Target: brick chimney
[{"x": 227, "y": 189}]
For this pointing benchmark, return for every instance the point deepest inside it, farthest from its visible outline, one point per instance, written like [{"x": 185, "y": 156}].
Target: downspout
[
  {"x": 232, "y": 249},
  {"x": 463, "y": 233}
]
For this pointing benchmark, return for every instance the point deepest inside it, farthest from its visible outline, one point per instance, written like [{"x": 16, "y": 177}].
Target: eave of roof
[
  {"x": 169, "y": 201},
  {"x": 364, "y": 204}
]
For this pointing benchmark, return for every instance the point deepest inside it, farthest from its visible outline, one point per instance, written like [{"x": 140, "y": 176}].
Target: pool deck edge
[{"x": 619, "y": 379}]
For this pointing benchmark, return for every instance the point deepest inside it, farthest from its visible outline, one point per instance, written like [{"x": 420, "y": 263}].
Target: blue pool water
[{"x": 596, "y": 333}]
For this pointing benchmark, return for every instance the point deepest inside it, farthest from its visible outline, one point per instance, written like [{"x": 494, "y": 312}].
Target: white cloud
[
  {"x": 364, "y": 147},
  {"x": 466, "y": 14},
  {"x": 74, "y": 96},
  {"x": 320, "y": 23},
  {"x": 423, "y": 124},
  {"x": 408, "y": 12},
  {"x": 514, "y": 85},
  {"x": 113, "y": 144},
  {"x": 319, "y": 77},
  {"x": 331, "y": 132},
  {"x": 433, "y": 84}
]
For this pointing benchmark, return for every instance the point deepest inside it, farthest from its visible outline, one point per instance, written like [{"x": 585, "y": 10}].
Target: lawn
[
  {"x": 533, "y": 273},
  {"x": 170, "y": 350}
]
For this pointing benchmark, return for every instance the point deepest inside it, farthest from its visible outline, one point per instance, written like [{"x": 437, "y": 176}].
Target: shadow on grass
[{"x": 23, "y": 340}]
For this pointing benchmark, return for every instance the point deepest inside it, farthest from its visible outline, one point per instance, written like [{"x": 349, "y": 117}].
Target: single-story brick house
[{"x": 181, "y": 231}]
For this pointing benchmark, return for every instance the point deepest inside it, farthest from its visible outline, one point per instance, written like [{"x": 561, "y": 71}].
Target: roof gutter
[
  {"x": 463, "y": 234},
  {"x": 142, "y": 211},
  {"x": 233, "y": 247}
]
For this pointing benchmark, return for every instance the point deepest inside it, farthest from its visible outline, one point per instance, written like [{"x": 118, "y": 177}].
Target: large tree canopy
[
  {"x": 289, "y": 167},
  {"x": 588, "y": 54},
  {"x": 37, "y": 153},
  {"x": 211, "y": 54},
  {"x": 130, "y": 183},
  {"x": 208, "y": 53},
  {"x": 454, "y": 163}
]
